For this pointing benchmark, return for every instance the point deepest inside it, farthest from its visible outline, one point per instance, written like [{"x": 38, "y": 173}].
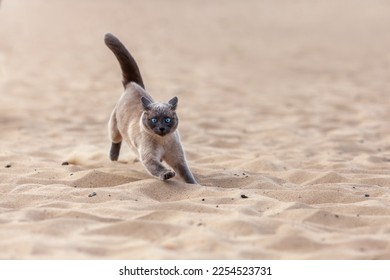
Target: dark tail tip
[{"x": 110, "y": 39}]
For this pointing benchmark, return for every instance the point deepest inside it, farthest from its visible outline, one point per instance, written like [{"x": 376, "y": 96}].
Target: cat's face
[{"x": 159, "y": 118}]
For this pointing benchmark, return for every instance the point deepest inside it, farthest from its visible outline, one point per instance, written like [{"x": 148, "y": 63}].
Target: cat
[{"x": 149, "y": 128}]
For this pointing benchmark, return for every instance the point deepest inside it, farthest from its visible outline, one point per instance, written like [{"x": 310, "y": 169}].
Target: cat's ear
[
  {"x": 146, "y": 103},
  {"x": 173, "y": 103}
]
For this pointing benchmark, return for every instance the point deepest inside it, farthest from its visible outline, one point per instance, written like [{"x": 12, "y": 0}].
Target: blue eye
[
  {"x": 167, "y": 120},
  {"x": 154, "y": 120}
]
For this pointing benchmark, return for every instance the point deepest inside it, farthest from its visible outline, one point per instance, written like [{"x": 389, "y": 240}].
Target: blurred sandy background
[{"x": 284, "y": 107}]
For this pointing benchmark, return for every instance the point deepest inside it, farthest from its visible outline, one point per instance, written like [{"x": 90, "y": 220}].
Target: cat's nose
[{"x": 162, "y": 129}]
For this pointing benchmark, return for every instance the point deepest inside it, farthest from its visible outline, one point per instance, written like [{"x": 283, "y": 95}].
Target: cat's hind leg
[
  {"x": 115, "y": 150},
  {"x": 115, "y": 136}
]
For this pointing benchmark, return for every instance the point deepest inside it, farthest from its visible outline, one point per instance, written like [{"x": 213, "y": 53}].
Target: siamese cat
[{"x": 149, "y": 128}]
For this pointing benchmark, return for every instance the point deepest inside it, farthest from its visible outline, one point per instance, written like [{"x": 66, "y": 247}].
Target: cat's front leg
[
  {"x": 158, "y": 170},
  {"x": 179, "y": 164},
  {"x": 185, "y": 173}
]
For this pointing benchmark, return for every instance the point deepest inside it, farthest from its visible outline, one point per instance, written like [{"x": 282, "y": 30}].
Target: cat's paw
[{"x": 167, "y": 175}]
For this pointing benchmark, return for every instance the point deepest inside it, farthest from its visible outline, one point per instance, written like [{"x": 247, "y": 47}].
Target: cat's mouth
[{"x": 161, "y": 132}]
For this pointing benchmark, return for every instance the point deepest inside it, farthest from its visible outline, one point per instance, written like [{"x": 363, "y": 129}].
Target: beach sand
[{"x": 284, "y": 113}]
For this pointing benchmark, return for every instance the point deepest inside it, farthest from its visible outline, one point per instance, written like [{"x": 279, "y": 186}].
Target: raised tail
[{"x": 130, "y": 71}]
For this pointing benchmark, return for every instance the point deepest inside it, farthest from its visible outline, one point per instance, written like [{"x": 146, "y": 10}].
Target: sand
[{"x": 284, "y": 109}]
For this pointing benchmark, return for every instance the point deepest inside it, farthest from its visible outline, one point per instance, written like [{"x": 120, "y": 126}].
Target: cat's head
[{"x": 159, "y": 118}]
